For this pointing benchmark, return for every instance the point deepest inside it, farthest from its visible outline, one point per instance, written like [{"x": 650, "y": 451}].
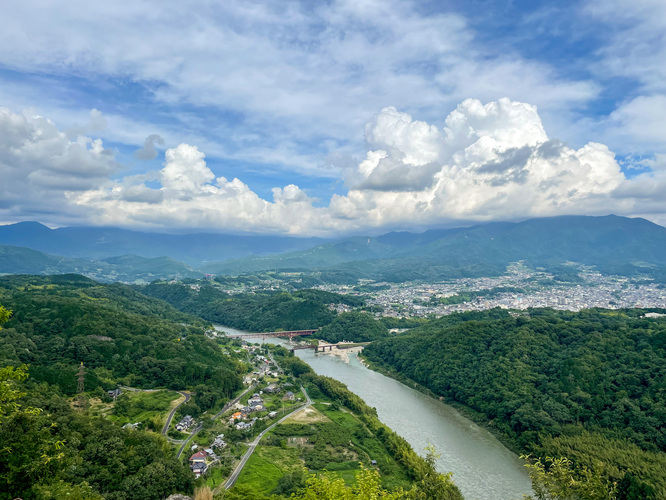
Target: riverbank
[
  {"x": 483, "y": 468},
  {"x": 467, "y": 412},
  {"x": 343, "y": 354}
]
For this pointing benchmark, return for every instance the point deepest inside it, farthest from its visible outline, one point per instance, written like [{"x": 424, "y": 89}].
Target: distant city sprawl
[{"x": 520, "y": 288}]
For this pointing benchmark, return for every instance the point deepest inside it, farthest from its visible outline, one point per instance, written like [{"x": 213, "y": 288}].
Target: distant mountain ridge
[
  {"x": 613, "y": 244},
  {"x": 100, "y": 243},
  {"x": 127, "y": 268}
]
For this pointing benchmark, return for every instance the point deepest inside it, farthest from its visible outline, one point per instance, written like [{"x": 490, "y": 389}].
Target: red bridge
[{"x": 291, "y": 334}]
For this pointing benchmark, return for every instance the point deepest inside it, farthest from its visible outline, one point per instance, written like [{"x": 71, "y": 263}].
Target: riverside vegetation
[
  {"x": 56, "y": 445},
  {"x": 265, "y": 312},
  {"x": 587, "y": 389},
  {"x": 404, "y": 474}
]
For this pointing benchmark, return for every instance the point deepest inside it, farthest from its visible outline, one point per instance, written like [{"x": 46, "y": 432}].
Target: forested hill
[
  {"x": 120, "y": 335},
  {"x": 52, "y": 451},
  {"x": 590, "y": 386},
  {"x": 255, "y": 312},
  {"x": 129, "y": 268}
]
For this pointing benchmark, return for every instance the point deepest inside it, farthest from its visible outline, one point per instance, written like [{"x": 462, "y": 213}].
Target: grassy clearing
[
  {"x": 99, "y": 408},
  {"x": 348, "y": 476},
  {"x": 367, "y": 446},
  {"x": 215, "y": 477},
  {"x": 267, "y": 465},
  {"x": 143, "y": 407}
]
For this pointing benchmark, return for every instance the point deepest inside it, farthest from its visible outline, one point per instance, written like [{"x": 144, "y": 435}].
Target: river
[{"x": 482, "y": 467}]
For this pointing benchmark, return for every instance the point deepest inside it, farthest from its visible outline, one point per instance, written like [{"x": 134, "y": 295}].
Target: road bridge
[
  {"x": 324, "y": 347},
  {"x": 291, "y": 334}
]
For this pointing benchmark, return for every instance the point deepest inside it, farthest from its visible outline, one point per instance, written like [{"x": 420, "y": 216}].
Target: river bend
[{"x": 482, "y": 467}]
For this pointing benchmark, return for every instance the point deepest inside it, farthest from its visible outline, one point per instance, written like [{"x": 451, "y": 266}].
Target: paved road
[
  {"x": 233, "y": 402},
  {"x": 194, "y": 433},
  {"x": 165, "y": 429},
  {"x": 134, "y": 389},
  {"x": 217, "y": 415},
  {"x": 234, "y": 475}
]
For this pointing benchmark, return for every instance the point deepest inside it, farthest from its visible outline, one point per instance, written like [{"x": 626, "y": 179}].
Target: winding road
[
  {"x": 234, "y": 475},
  {"x": 165, "y": 429}
]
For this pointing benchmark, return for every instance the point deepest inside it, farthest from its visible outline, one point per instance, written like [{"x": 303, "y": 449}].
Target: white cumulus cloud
[
  {"x": 40, "y": 164},
  {"x": 491, "y": 161}
]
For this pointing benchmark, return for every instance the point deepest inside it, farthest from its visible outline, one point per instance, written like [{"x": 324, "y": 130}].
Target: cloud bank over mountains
[
  {"x": 258, "y": 116},
  {"x": 490, "y": 161}
]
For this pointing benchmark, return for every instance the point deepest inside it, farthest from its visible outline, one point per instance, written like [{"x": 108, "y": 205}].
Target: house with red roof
[{"x": 198, "y": 457}]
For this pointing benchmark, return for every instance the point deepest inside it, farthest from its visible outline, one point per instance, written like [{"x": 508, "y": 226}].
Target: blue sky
[{"x": 331, "y": 118}]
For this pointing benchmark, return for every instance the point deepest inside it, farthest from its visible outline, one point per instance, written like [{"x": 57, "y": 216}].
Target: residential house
[
  {"x": 219, "y": 442},
  {"x": 199, "y": 456},
  {"x": 186, "y": 422},
  {"x": 236, "y": 416},
  {"x": 199, "y": 469},
  {"x": 114, "y": 393},
  {"x": 245, "y": 426},
  {"x": 289, "y": 396},
  {"x": 254, "y": 401}
]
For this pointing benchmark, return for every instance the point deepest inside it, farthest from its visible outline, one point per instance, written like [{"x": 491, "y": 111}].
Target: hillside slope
[{"x": 613, "y": 244}]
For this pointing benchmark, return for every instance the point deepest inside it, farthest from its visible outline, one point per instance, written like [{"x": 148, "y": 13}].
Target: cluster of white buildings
[{"x": 185, "y": 424}]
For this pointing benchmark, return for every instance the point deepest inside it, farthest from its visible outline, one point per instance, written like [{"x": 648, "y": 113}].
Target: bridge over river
[
  {"x": 323, "y": 347},
  {"x": 291, "y": 334}
]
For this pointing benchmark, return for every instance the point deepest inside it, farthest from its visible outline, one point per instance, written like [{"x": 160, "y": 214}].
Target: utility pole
[{"x": 80, "y": 387}]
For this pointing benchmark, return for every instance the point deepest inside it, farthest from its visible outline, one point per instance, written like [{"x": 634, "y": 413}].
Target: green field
[
  {"x": 132, "y": 407},
  {"x": 367, "y": 446},
  {"x": 267, "y": 465},
  {"x": 341, "y": 445}
]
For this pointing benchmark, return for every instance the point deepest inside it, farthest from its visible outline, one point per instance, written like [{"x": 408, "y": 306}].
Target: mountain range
[
  {"x": 613, "y": 244},
  {"x": 102, "y": 242}
]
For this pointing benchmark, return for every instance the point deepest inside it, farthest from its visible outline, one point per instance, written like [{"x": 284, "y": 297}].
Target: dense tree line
[
  {"x": 256, "y": 312},
  {"x": 54, "y": 452},
  {"x": 353, "y": 326},
  {"x": 471, "y": 295},
  {"x": 50, "y": 450},
  {"x": 582, "y": 385}
]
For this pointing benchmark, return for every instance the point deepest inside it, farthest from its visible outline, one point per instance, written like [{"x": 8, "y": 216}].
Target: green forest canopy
[
  {"x": 255, "y": 312},
  {"x": 582, "y": 385},
  {"x": 120, "y": 336}
]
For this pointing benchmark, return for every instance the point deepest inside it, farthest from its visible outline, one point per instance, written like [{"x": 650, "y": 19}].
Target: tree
[
  {"x": 367, "y": 487},
  {"x": 432, "y": 484},
  {"x": 9, "y": 393},
  {"x": 4, "y": 316},
  {"x": 558, "y": 479}
]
